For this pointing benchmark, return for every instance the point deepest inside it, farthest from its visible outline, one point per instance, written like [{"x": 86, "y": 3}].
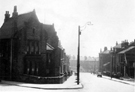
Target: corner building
[{"x": 29, "y": 50}]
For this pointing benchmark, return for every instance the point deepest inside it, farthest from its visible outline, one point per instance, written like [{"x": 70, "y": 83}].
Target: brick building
[
  {"x": 120, "y": 58},
  {"x": 105, "y": 61}
]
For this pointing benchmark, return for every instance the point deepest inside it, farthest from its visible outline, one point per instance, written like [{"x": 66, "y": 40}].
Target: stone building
[{"x": 29, "y": 49}]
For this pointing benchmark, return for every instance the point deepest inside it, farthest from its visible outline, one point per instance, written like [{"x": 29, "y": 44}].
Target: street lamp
[{"x": 78, "y": 54}]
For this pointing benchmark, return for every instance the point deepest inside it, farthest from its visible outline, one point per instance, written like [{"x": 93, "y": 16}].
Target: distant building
[
  {"x": 119, "y": 61},
  {"x": 89, "y": 65},
  {"x": 123, "y": 59},
  {"x": 105, "y": 61},
  {"x": 127, "y": 60}
]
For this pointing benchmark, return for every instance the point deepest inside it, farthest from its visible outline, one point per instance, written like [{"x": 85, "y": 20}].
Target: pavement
[
  {"x": 129, "y": 81},
  {"x": 69, "y": 84}
]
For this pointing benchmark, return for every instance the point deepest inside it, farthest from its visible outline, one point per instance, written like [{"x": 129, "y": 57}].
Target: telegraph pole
[
  {"x": 78, "y": 54},
  {"x": 78, "y": 57}
]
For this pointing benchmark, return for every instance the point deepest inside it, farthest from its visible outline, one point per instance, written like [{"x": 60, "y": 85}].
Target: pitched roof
[
  {"x": 126, "y": 50},
  {"x": 7, "y": 30},
  {"x": 52, "y": 36},
  {"x": 49, "y": 29},
  {"x": 118, "y": 46},
  {"x": 105, "y": 52}
]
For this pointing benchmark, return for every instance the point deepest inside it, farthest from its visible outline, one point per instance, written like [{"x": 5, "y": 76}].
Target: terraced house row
[
  {"x": 119, "y": 61},
  {"x": 30, "y": 51}
]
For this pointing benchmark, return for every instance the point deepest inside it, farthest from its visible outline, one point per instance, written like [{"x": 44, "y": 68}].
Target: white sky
[{"x": 113, "y": 20}]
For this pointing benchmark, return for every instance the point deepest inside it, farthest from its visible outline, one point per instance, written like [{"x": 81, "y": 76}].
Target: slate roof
[
  {"x": 126, "y": 50},
  {"x": 118, "y": 46},
  {"x": 52, "y": 35},
  {"x": 105, "y": 52},
  {"x": 7, "y": 30}
]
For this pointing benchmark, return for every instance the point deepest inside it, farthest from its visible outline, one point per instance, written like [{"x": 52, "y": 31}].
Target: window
[
  {"x": 36, "y": 68},
  {"x": 33, "y": 68},
  {"x": 27, "y": 67},
  {"x": 31, "y": 47},
  {"x": 48, "y": 60},
  {"x": 28, "y": 47},
  {"x": 36, "y": 47},
  {"x": 34, "y": 30}
]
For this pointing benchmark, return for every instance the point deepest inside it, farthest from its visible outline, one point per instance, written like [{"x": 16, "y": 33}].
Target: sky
[{"x": 113, "y": 20}]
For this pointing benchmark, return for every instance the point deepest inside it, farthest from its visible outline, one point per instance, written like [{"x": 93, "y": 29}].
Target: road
[{"x": 91, "y": 83}]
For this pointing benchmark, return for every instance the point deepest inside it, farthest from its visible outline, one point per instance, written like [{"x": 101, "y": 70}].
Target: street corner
[
  {"x": 45, "y": 86},
  {"x": 76, "y": 86}
]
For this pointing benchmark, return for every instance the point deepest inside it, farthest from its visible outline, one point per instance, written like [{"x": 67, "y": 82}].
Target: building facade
[
  {"x": 121, "y": 60},
  {"x": 105, "y": 59},
  {"x": 29, "y": 50}
]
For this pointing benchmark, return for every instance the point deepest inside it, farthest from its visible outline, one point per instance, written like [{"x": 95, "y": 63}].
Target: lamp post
[{"x": 78, "y": 54}]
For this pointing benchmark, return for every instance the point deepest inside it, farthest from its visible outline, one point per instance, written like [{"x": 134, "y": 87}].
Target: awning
[
  {"x": 49, "y": 47},
  {"x": 126, "y": 50}
]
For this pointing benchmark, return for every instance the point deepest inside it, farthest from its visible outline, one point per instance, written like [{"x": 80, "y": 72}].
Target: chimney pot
[{"x": 7, "y": 16}]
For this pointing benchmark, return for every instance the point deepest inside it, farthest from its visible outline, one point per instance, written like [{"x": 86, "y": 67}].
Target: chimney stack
[
  {"x": 116, "y": 43},
  {"x": 15, "y": 13},
  {"x": 105, "y": 48},
  {"x": 7, "y": 16},
  {"x": 100, "y": 50}
]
